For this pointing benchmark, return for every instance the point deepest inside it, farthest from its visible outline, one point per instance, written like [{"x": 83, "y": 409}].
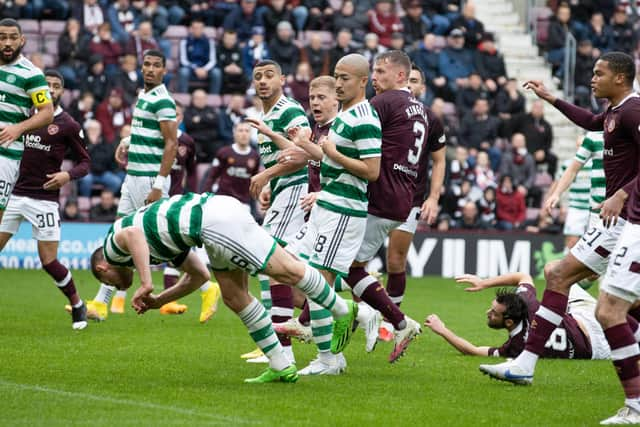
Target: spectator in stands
[
  {"x": 151, "y": 10},
  {"x": 229, "y": 60},
  {"x": 470, "y": 220},
  {"x": 345, "y": 19},
  {"x": 243, "y": 19},
  {"x": 343, "y": 47},
  {"x": 283, "y": 50},
  {"x": 176, "y": 11},
  {"x": 73, "y": 53},
  {"x": 320, "y": 15},
  {"x": 484, "y": 175},
  {"x": 82, "y": 108},
  {"x": 298, "y": 85},
  {"x": 14, "y": 10},
  {"x": 519, "y": 165},
  {"x": 71, "y": 212},
  {"x": 456, "y": 62},
  {"x": 272, "y": 14},
  {"x": 459, "y": 170},
  {"x": 559, "y": 27},
  {"x": 443, "y": 223},
  {"x": 462, "y": 198},
  {"x": 509, "y": 103},
  {"x": 510, "y": 207},
  {"x": 487, "y": 206},
  {"x": 472, "y": 28},
  {"x": 90, "y": 15},
  {"x": 583, "y": 73},
  {"x": 538, "y": 135},
  {"x": 127, "y": 79},
  {"x": 96, "y": 81},
  {"x": 254, "y": 51},
  {"x": 106, "y": 209},
  {"x": 623, "y": 37},
  {"x": 397, "y": 41},
  {"x": 316, "y": 56},
  {"x": 362, "y": 11},
  {"x": 104, "y": 169},
  {"x": 449, "y": 122},
  {"x": 372, "y": 47},
  {"x": 415, "y": 24},
  {"x": 142, "y": 39},
  {"x": 490, "y": 64},
  {"x": 104, "y": 44},
  {"x": 427, "y": 59},
  {"x": 113, "y": 113},
  {"x": 436, "y": 11},
  {"x": 479, "y": 130},
  {"x": 600, "y": 34},
  {"x": 122, "y": 17},
  {"x": 201, "y": 123},
  {"x": 383, "y": 21},
  {"x": 230, "y": 116},
  {"x": 467, "y": 96},
  {"x": 198, "y": 60},
  {"x": 542, "y": 223}
]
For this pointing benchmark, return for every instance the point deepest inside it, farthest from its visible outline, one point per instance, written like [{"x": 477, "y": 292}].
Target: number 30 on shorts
[{"x": 46, "y": 220}]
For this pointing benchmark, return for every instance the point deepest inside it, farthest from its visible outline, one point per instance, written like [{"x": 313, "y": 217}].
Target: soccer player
[
  {"x": 613, "y": 76},
  {"x": 350, "y": 160},
  {"x": 286, "y": 185},
  {"x": 423, "y": 208},
  {"x": 37, "y": 190},
  {"x": 404, "y": 131},
  {"x": 578, "y": 336},
  {"x": 152, "y": 151},
  {"x": 22, "y": 86},
  {"x": 234, "y": 165},
  {"x": 165, "y": 231}
]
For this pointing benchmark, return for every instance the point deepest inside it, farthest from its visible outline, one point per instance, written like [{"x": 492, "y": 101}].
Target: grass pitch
[{"x": 155, "y": 370}]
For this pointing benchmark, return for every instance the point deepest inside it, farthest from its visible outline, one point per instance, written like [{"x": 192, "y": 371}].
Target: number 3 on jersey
[{"x": 419, "y": 132}]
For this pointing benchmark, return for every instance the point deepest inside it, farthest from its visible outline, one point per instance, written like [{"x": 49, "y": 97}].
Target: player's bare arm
[
  {"x": 42, "y": 117},
  {"x": 368, "y": 168},
  {"x": 562, "y": 185},
  {"x": 122, "y": 151},
  {"x": 133, "y": 241},
  {"x": 294, "y": 157},
  {"x": 429, "y": 209},
  {"x": 434, "y": 323},
  {"x": 280, "y": 141},
  {"x": 169, "y": 131},
  {"x": 540, "y": 90},
  {"x": 302, "y": 138},
  {"x": 478, "y": 284},
  {"x": 259, "y": 181}
]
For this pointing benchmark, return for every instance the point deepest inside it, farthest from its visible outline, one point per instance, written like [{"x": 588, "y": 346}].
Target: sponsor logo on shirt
[
  {"x": 33, "y": 142},
  {"x": 405, "y": 169},
  {"x": 136, "y": 123},
  {"x": 238, "y": 172},
  {"x": 608, "y": 152}
]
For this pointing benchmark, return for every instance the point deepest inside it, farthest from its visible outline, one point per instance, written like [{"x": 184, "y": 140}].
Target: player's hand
[
  {"x": 264, "y": 199},
  {"x": 540, "y": 90},
  {"x": 137, "y": 302},
  {"x": 9, "y": 134},
  {"x": 258, "y": 182},
  {"x": 308, "y": 200},
  {"x": 154, "y": 195},
  {"x": 612, "y": 207},
  {"x": 434, "y": 323},
  {"x": 259, "y": 125},
  {"x": 328, "y": 147},
  {"x": 122, "y": 153},
  {"x": 292, "y": 155},
  {"x": 56, "y": 180},
  {"x": 299, "y": 135},
  {"x": 550, "y": 203},
  {"x": 150, "y": 302},
  {"x": 429, "y": 210},
  {"x": 474, "y": 281}
]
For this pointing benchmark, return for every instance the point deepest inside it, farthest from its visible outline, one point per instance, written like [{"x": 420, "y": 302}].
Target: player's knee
[
  {"x": 552, "y": 274},
  {"x": 604, "y": 316},
  {"x": 396, "y": 261}
]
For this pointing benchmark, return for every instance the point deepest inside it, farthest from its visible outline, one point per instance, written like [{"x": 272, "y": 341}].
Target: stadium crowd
[{"x": 499, "y": 149}]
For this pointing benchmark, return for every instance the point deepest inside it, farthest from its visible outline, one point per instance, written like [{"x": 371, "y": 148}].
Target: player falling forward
[
  {"x": 152, "y": 152},
  {"x": 423, "y": 208},
  {"x": 37, "y": 191},
  {"x": 165, "y": 231},
  {"x": 22, "y": 86},
  {"x": 613, "y": 76}
]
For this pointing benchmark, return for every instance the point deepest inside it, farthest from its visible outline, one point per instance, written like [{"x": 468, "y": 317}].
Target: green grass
[{"x": 158, "y": 370}]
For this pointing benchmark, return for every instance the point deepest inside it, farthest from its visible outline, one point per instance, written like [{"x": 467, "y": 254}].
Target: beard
[{"x": 13, "y": 57}]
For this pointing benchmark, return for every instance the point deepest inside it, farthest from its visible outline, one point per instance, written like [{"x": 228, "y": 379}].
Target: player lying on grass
[
  {"x": 166, "y": 230},
  {"x": 578, "y": 336}
]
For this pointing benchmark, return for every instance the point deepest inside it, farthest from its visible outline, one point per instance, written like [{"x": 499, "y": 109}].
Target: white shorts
[
  {"x": 411, "y": 224},
  {"x": 582, "y": 307},
  {"x": 623, "y": 272},
  {"x": 597, "y": 243},
  {"x": 43, "y": 215},
  {"x": 9, "y": 170},
  {"x": 135, "y": 190},
  {"x": 329, "y": 240},
  {"x": 232, "y": 238},
  {"x": 285, "y": 218},
  {"x": 376, "y": 232},
  {"x": 577, "y": 222}
]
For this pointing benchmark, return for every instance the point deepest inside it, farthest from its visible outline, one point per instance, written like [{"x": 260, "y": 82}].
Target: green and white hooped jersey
[
  {"x": 147, "y": 143},
  {"x": 22, "y": 86},
  {"x": 284, "y": 115},
  {"x": 580, "y": 189},
  {"x": 357, "y": 134},
  {"x": 592, "y": 148},
  {"x": 171, "y": 227}
]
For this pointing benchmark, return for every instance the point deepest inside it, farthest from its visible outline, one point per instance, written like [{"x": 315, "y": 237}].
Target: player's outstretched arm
[
  {"x": 434, "y": 323},
  {"x": 301, "y": 137},
  {"x": 42, "y": 117},
  {"x": 280, "y": 141},
  {"x": 133, "y": 241},
  {"x": 478, "y": 284},
  {"x": 260, "y": 180},
  {"x": 562, "y": 185}
]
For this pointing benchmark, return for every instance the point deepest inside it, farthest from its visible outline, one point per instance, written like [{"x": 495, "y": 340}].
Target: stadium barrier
[{"x": 442, "y": 254}]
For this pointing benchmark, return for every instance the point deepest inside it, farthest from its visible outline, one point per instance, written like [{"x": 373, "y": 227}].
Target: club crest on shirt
[
  {"x": 340, "y": 128},
  {"x": 251, "y": 163},
  {"x": 611, "y": 125},
  {"x": 231, "y": 160},
  {"x": 52, "y": 129},
  {"x": 11, "y": 78}
]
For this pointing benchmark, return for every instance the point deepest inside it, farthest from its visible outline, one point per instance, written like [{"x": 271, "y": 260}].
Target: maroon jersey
[
  {"x": 434, "y": 142},
  {"x": 621, "y": 142},
  {"x": 185, "y": 164},
  {"x": 566, "y": 342},
  {"x": 314, "y": 165},
  {"x": 44, "y": 151},
  {"x": 404, "y": 131},
  {"x": 233, "y": 169}
]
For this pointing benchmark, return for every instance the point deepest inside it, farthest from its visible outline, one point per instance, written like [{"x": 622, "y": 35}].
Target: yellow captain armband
[{"x": 41, "y": 97}]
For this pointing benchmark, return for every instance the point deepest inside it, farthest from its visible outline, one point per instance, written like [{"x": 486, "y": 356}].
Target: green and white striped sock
[
  {"x": 265, "y": 291},
  {"x": 257, "y": 320},
  {"x": 318, "y": 290},
  {"x": 321, "y": 326}
]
